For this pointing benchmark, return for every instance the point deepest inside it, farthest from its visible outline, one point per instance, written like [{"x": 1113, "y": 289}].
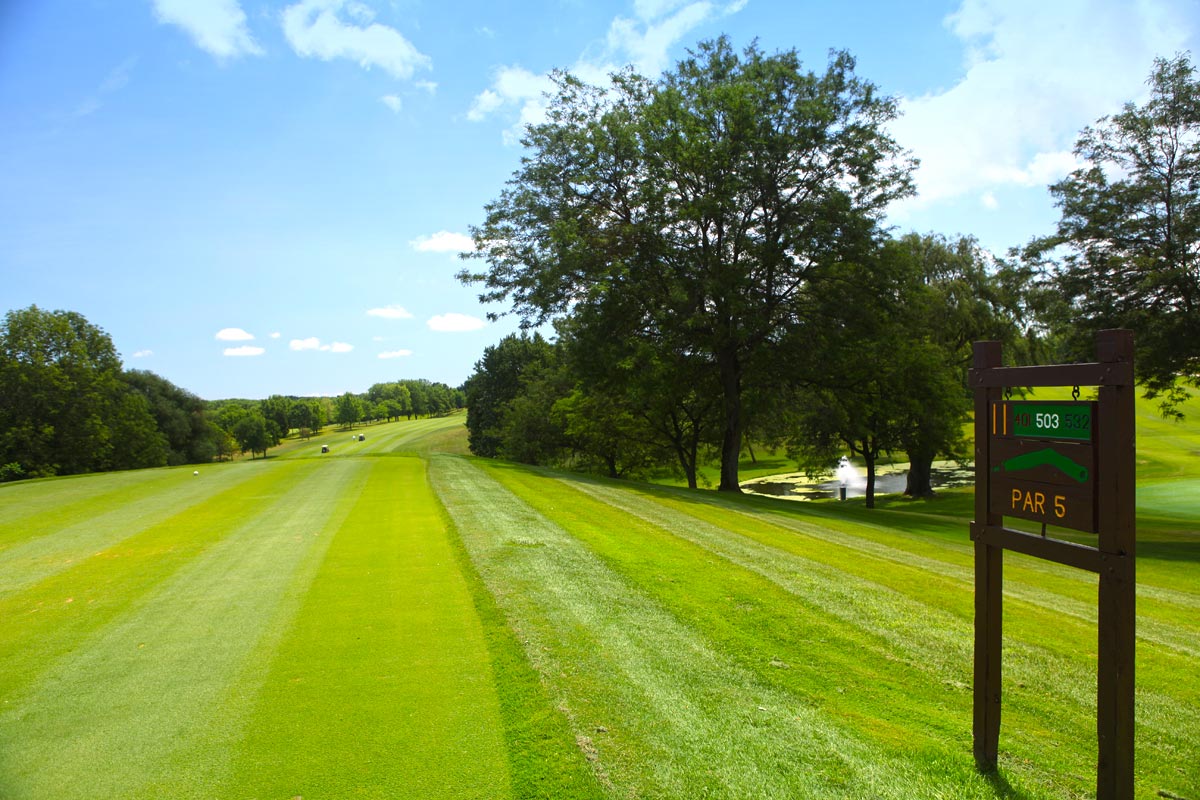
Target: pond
[{"x": 890, "y": 479}]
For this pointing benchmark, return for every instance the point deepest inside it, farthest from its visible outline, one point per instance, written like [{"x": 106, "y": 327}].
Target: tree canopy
[
  {"x": 65, "y": 408},
  {"x": 698, "y": 212}
]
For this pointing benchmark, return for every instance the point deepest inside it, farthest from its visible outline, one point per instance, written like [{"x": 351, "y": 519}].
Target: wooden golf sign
[{"x": 1070, "y": 465}]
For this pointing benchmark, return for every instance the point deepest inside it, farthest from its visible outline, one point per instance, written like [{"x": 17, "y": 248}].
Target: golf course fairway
[{"x": 395, "y": 619}]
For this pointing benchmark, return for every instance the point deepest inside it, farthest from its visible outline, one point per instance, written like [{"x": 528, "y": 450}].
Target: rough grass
[{"x": 387, "y": 620}]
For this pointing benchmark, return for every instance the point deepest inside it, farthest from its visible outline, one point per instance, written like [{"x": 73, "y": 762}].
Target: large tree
[
  {"x": 698, "y": 212},
  {"x": 1129, "y": 235},
  {"x": 64, "y": 408}
]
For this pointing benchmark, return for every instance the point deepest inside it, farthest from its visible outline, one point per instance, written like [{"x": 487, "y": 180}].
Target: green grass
[{"x": 392, "y": 619}]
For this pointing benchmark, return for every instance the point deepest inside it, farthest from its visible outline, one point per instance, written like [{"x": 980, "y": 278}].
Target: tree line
[
  {"x": 709, "y": 251},
  {"x": 68, "y": 406}
]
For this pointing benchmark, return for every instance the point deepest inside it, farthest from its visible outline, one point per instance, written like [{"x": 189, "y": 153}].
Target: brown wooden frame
[{"x": 1113, "y": 559}]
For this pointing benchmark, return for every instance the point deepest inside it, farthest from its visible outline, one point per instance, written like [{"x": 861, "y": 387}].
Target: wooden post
[
  {"x": 1108, "y": 510},
  {"x": 1117, "y": 601},
  {"x": 989, "y": 581}
]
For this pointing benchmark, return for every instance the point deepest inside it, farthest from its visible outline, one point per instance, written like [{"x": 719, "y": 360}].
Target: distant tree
[
  {"x": 180, "y": 416},
  {"x": 254, "y": 433},
  {"x": 496, "y": 382},
  {"x": 1129, "y": 234},
  {"x": 137, "y": 440},
  {"x": 303, "y": 414},
  {"x": 697, "y": 212},
  {"x": 227, "y": 413},
  {"x": 419, "y": 395},
  {"x": 349, "y": 410},
  {"x": 278, "y": 409},
  {"x": 225, "y": 444},
  {"x": 325, "y": 412},
  {"x": 605, "y": 432},
  {"x": 403, "y": 400}
]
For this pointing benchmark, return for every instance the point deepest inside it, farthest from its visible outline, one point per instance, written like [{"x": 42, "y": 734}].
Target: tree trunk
[
  {"x": 869, "y": 459},
  {"x": 920, "y": 474},
  {"x": 687, "y": 461},
  {"x": 731, "y": 439}
]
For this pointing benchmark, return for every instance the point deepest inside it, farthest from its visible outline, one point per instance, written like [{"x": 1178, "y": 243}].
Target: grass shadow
[
  {"x": 1002, "y": 788},
  {"x": 1188, "y": 552}
]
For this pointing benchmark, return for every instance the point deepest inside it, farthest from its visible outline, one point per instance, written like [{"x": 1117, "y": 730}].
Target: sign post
[{"x": 1066, "y": 464}]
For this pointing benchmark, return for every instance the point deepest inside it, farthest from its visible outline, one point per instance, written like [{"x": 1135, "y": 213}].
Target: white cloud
[
  {"x": 428, "y": 86},
  {"x": 484, "y": 104},
  {"x": 234, "y": 335},
  {"x": 313, "y": 343},
  {"x": 988, "y": 201},
  {"x": 143, "y": 354},
  {"x": 1013, "y": 118},
  {"x": 313, "y": 29},
  {"x": 275, "y": 335},
  {"x": 455, "y": 323},
  {"x": 396, "y": 354},
  {"x": 393, "y": 102},
  {"x": 443, "y": 242},
  {"x": 645, "y": 41},
  {"x": 390, "y": 312},
  {"x": 244, "y": 350},
  {"x": 514, "y": 89},
  {"x": 216, "y": 26}
]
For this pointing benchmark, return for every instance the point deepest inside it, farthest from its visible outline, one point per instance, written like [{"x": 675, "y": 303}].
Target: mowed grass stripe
[
  {"x": 661, "y": 712},
  {"x": 104, "y": 719},
  {"x": 46, "y": 504},
  {"x": 902, "y": 561},
  {"x": 777, "y": 624},
  {"x": 1049, "y": 668},
  {"x": 48, "y": 619},
  {"x": 544, "y": 760},
  {"x": 81, "y": 530},
  {"x": 382, "y": 687}
]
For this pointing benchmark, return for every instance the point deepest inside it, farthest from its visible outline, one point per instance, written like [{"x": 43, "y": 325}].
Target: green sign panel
[{"x": 1037, "y": 420}]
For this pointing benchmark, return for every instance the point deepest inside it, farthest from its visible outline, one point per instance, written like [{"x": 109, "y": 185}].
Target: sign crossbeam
[{"x": 1069, "y": 464}]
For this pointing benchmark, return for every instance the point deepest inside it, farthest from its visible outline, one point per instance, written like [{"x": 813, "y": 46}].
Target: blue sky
[{"x": 257, "y": 197}]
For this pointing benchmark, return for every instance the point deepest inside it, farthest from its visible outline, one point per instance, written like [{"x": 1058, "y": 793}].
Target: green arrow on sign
[{"x": 1045, "y": 457}]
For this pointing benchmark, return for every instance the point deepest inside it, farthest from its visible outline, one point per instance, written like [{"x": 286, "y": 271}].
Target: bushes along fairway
[{"x": 389, "y": 621}]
